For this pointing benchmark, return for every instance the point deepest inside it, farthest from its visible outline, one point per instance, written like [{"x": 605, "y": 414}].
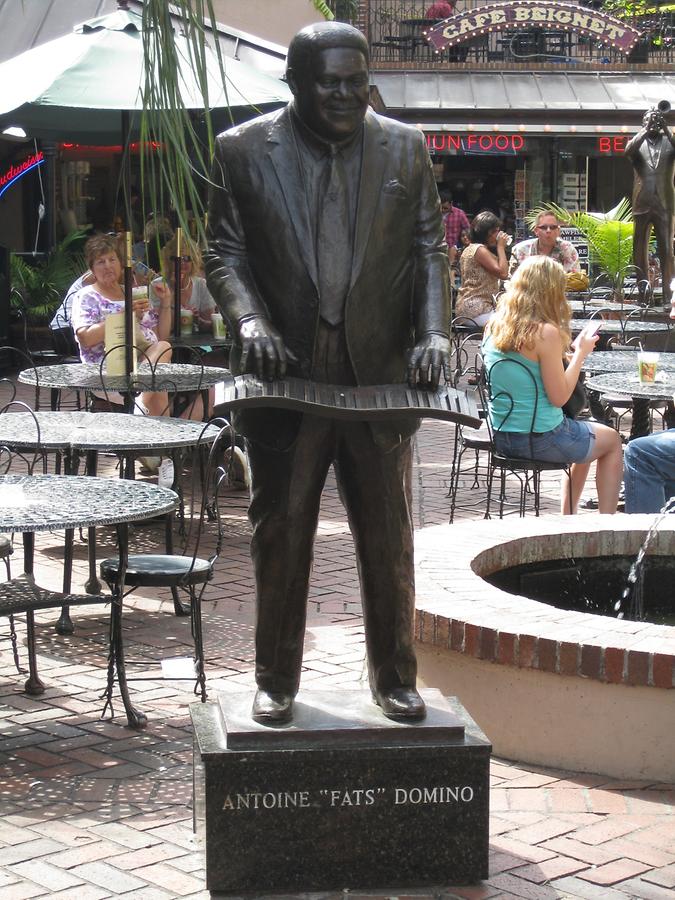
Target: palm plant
[
  {"x": 609, "y": 236},
  {"x": 37, "y": 290}
]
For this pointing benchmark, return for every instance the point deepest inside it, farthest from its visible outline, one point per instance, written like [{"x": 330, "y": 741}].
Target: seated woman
[
  {"x": 531, "y": 326},
  {"x": 95, "y": 302},
  {"x": 480, "y": 269},
  {"x": 194, "y": 294}
]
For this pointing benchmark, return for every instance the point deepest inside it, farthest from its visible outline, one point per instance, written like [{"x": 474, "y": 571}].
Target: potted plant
[
  {"x": 38, "y": 288},
  {"x": 609, "y": 236}
]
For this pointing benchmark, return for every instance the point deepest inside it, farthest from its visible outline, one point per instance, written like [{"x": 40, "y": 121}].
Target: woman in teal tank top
[{"x": 523, "y": 350}]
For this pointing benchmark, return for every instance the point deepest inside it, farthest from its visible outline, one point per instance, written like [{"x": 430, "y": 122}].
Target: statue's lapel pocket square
[{"x": 395, "y": 188}]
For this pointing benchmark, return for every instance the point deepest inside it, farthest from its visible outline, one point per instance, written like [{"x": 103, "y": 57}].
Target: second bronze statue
[
  {"x": 652, "y": 153},
  {"x": 375, "y": 310}
]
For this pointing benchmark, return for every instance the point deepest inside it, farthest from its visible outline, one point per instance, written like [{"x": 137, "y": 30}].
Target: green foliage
[
  {"x": 38, "y": 289},
  {"x": 322, "y": 7},
  {"x": 609, "y": 236},
  {"x": 175, "y": 174},
  {"x": 342, "y": 10}
]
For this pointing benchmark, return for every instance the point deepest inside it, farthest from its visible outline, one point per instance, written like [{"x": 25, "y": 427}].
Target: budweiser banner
[{"x": 526, "y": 14}]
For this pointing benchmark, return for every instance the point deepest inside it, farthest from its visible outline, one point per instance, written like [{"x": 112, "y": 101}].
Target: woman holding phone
[{"x": 531, "y": 327}]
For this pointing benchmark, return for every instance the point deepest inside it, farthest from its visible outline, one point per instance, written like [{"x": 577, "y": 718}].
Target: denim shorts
[{"x": 569, "y": 442}]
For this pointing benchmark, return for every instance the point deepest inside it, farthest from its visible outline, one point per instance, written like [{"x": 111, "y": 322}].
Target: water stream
[{"x": 631, "y": 603}]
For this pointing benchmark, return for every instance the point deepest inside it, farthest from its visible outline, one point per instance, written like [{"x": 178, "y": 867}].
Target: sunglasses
[
  {"x": 186, "y": 259},
  {"x": 548, "y": 227}
]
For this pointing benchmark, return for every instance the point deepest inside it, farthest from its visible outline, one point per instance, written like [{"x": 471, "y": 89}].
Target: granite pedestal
[{"x": 341, "y": 798}]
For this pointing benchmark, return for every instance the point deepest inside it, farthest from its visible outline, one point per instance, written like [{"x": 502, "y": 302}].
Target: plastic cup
[
  {"x": 186, "y": 317},
  {"x": 647, "y": 366},
  {"x": 218, "y": 325}
]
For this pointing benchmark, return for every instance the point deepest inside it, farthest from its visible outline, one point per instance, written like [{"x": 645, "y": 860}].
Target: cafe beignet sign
[{"x": 527, "y": 14}]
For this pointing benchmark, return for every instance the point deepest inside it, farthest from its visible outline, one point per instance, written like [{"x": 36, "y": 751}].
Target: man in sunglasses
[{"x": 546, "y": 243}]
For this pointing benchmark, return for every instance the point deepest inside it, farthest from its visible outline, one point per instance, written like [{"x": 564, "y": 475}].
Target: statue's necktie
[{"x": 333, "y": 240}]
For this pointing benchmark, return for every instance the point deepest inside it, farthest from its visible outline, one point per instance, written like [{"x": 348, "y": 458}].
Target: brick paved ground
[{"x": 93, "y": 810}]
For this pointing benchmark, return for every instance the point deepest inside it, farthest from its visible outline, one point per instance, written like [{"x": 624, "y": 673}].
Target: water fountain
[{"x": 562, "y": 687}]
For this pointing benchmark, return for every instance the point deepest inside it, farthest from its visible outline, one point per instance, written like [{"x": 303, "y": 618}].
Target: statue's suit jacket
[{"x": 262, "y": 256}]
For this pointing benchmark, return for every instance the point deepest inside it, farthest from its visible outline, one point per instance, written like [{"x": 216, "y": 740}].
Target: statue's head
[
  {"x": 653, "y": 120},
  {"x": 327, "y": 71}
]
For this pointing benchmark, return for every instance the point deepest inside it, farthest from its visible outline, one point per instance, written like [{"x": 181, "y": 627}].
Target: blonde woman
[
  {"x": 194, "y": 294},
  {"x": 531, "y": 326}
]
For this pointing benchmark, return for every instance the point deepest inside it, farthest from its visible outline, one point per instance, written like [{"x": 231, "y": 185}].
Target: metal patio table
[
  {"x": 602, "y": 361},
  {"x": 70, "y": 434},
  {"x": 33, "y": 503},
  {"x": 641, "y": 393},
  {"x": 199, "y": 339},
  {"x": 176, "y": 378}
]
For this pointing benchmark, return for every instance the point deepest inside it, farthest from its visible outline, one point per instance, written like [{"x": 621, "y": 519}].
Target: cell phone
[{"x": 593, "y": 327}]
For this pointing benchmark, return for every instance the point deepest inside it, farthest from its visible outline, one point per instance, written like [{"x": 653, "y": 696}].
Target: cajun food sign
[{"x": 519, "y": 14}]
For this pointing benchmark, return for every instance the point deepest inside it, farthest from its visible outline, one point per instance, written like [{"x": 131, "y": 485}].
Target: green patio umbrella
[
  {"x": 74, "y": 87},
  {"x": 87, "y": 87}
]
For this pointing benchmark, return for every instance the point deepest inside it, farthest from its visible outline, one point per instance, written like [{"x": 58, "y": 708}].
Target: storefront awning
[{"x": 517, "y": 95}]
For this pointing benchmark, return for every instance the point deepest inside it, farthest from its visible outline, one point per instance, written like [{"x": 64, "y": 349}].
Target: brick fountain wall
[{"x": 547, "y": 685}]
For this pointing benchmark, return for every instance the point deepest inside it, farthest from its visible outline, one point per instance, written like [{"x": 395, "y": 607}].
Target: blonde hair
[
  {"x": 535, "y": 296},
  {"x": 188, "y": 248}
]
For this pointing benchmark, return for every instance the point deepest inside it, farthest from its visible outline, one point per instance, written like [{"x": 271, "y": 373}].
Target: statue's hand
[
  {"x": 426, "y": 359},
  {"x": 261, "y": 341}
]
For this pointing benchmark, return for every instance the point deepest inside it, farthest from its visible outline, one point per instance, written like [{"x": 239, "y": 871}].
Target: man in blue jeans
[{"x": 649, "y": 472}]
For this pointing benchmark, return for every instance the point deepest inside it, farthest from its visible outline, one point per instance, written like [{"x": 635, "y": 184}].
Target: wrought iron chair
[
  {"x": 528, "y": 471},
  {"x": 6, "y": 550},
  {"x": 466, "y": 336},
  {"x": 472, "y": 441},
  {"x": 188, "y": 572}
]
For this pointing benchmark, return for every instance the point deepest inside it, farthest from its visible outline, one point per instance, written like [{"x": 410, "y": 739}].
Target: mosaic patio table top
[
  {"x": 625, "y": 361},
  {"x": 621, "y": 326},
  {"x": 172, "y": 377},
  {"x": 30, "y": 503},
  {"x": 590, "y": 306},
  {"x": 629, "y": 383},
  {"x": 100, "y": 431}
]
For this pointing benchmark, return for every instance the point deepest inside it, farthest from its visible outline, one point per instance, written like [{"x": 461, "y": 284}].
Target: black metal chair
[
  {"x": 6, "y": 550},
  {"x": 466, "y": 336},
  {"x": 188, "y": 571},
  {"x": 528, "y": 470},
  {"x": 473, "y": 442}
]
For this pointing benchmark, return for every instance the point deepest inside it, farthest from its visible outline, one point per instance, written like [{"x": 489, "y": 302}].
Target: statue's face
[
  {"x": 333, "y": 99},
  {"x": 652, "y": 121}
]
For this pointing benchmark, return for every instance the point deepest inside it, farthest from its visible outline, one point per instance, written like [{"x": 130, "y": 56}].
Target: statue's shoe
[
  {"x": 272, "y": 708},
  {"x": 400, "y": 703}
]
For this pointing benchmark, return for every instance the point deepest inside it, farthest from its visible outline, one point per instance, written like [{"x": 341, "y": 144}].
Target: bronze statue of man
[
  {"x": 327, "y": 258},
  {"x": 652, "y": 153}
]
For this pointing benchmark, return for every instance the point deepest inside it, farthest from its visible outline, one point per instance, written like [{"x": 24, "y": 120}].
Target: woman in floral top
[{"x": 95, "y": 302}]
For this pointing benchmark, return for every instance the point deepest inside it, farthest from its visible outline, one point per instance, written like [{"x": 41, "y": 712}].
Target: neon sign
[
  {"x": 615, "y": 144},
  {"x": 13, "y": 174},
  {"x": 503, "y": 144},
  {"x": 544, "y": 14}
]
